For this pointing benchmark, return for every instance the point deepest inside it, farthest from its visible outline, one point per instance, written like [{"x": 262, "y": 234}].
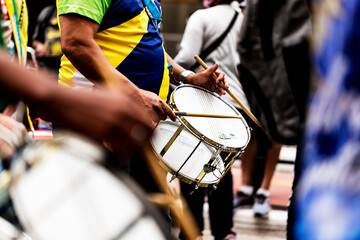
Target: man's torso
[{"x": 128, "y": 39}]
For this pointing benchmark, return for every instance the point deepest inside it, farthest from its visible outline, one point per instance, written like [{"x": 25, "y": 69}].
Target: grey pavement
[{"x": 249, "y": 227}]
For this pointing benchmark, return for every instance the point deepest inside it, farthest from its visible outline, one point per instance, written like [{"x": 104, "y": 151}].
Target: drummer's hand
[
  {"x": 11, "y": 135},
  {"x": 204, "y": 79},
  {"x": 105, "y": 116},
  {"x": 156, "y": 107}
]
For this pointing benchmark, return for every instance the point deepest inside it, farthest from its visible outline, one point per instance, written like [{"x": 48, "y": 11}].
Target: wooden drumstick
[
  {"x": 214, "y": 76},
  {"x": 208, "y": 115},
  {"x": 182, "y": 215}
]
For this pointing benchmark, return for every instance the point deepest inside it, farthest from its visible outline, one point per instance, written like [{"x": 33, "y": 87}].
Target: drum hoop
[{"x": 199, "y": 135}]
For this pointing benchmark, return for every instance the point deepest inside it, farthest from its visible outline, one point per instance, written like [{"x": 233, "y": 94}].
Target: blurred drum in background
[
  {"x": 200, "y": 150},
  {"x": 63, "y": 189}
]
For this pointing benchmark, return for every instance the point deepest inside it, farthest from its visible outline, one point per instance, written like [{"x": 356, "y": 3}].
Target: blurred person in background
[
  {"x": 212, "y": 33},
  {"x": 326, "y": 204},
  {"x": 14, "y": 16},
  {"x": 200, "y": 35},
  {"x": 46, "y": 39},
  {"x": 275, "y": 75}
]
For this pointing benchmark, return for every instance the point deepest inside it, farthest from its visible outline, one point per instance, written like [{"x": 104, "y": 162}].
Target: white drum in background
[
  {"x": 200, "y": 150},
  {"x": 61, "y": 190}
]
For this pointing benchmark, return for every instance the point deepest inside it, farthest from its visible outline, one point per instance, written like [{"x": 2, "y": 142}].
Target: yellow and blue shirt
[{"x": 127, "y": 37}]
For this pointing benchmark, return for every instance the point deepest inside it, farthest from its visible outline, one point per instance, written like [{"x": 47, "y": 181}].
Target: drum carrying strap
[
  {"x": 153, "y": 12},
  {"x": 216, "y": 43}
]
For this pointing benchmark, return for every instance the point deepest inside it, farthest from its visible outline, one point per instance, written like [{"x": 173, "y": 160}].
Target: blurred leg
[
  {"x": 195, "y": 202},
  {"x": 271, "y": 159},
  {"x": 290, "y": 232},
  {"x": 248, "y": 160},
  {"x": 221, "y": 208},
  {"x": 261, "y": 206}
]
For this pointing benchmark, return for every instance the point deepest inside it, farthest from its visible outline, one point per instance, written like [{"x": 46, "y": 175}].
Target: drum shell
[
  {"x": 175, "y": 158},
  {"x": 182, "y": 147}
]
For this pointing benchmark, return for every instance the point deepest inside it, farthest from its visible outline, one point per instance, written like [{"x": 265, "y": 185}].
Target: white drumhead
[
  {"x": 182, "y": 147},
  {"x": 66, "y": 195},
  {"x": 229, "y": 132}
]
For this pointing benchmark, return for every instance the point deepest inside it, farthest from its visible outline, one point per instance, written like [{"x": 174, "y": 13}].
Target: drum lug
[
  {"x": 172, "y": 105},
  {"x": 196, "y": 187},
  {"x": 208, "y": 168},
  {"x": 214, "y": 187}
]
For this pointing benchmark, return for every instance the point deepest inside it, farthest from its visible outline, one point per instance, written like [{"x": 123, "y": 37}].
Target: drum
[
  {"x": 62, "y": 189},
  {"x": 200, "y": 150}
]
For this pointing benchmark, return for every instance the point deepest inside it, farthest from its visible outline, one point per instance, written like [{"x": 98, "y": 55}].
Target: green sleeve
[{"x": 93, "y": 9}]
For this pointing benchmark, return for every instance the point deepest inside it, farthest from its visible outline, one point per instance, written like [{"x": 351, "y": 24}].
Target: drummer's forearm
[{"x": 177, "y": 69}]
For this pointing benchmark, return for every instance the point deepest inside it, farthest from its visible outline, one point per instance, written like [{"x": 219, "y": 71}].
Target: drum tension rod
[
  {"x": 196, "y": 187},
  {"x": 187, "y": 159},
  {"x": 209, "y": 167}
]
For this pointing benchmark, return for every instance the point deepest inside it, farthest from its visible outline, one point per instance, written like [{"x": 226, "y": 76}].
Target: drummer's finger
[
  {"x": 169, "y": 112},
  {"x": 221, "y": 78},
  {"x": 219, "y": 90},
  {"x": 161, "y": 113},
  {"x": 212, "y": 69}
]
